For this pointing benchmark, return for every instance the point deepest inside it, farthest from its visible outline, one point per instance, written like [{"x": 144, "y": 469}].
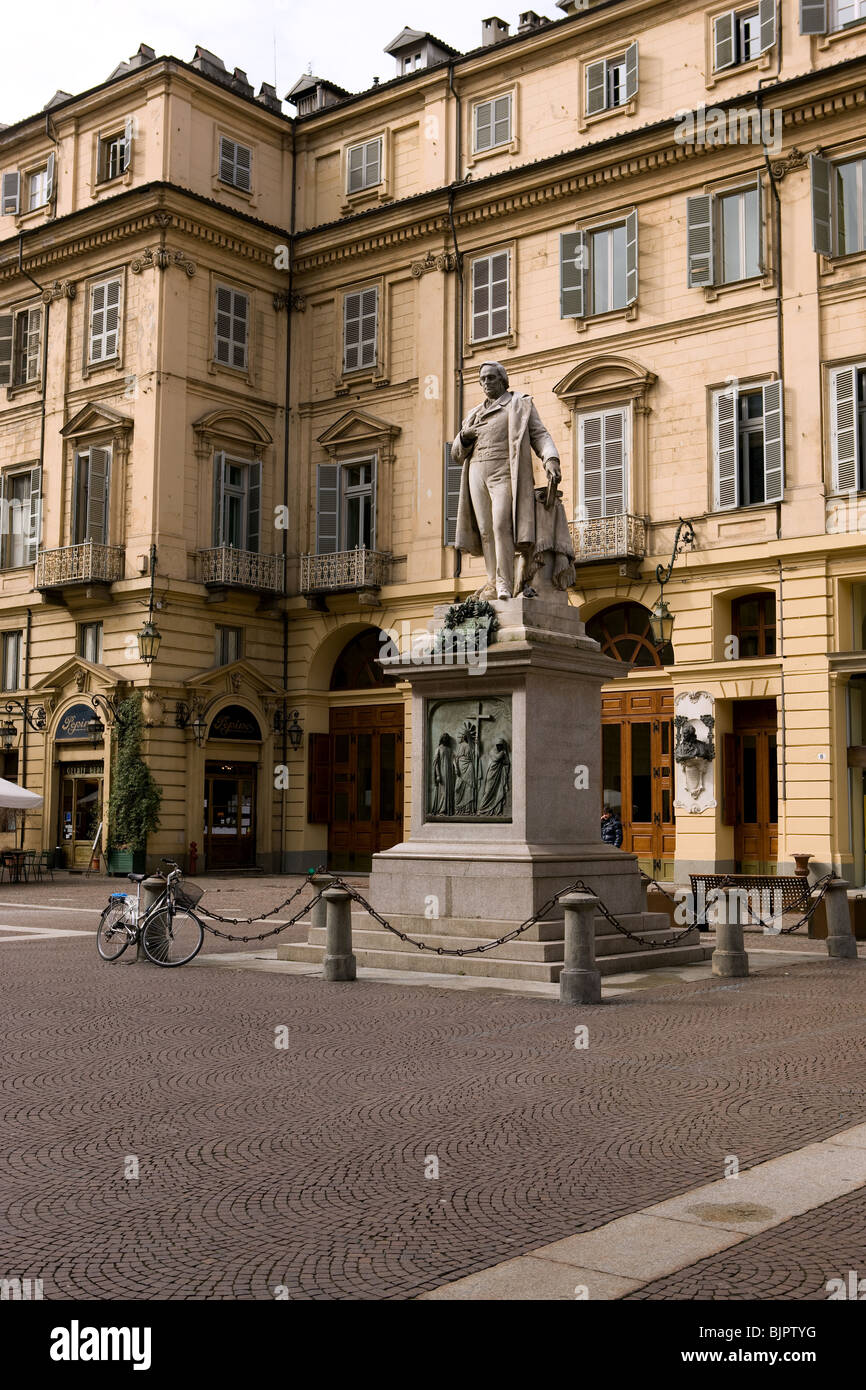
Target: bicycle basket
[{"x": 188, "y": 894}]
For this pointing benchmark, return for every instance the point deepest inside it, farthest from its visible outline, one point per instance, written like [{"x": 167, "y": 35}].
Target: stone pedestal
[{"x": 535, "y": 690}]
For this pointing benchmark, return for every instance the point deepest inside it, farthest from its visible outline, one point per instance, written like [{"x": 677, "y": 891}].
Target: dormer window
[{"x": 413, "y": 61}]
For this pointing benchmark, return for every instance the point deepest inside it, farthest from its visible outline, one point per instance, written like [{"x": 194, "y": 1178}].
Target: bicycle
[{"x": 170, "y": 934}]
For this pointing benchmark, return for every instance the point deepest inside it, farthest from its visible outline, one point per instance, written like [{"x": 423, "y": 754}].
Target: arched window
[
  {"x": 623, "y": 630},
  {"x": 357, "y": 667}
]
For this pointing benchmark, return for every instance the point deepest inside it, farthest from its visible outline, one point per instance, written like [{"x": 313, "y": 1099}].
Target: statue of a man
[{"x": 496, "y": 511}]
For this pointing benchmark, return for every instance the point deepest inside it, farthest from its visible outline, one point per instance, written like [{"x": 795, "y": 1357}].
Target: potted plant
[{"x": 133, "y": 806}]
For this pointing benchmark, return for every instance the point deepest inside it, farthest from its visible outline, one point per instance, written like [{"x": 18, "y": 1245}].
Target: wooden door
[
  {"x": 366, "y": 802},
  {"x": 638, "y": 774},
  {"x": 230, "y": 815},
  {"x": 753, "y": 751}
]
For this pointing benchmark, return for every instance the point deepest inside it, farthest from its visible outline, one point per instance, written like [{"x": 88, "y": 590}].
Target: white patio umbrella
[{"x": 17, "y": 798}]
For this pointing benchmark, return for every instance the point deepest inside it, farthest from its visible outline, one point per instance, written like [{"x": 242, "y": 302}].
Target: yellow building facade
[{"x": 655, "y": 217}]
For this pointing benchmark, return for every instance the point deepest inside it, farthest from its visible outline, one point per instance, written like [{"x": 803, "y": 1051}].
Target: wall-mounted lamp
[
  {"x": 661, "y": 618},
  {"x": 294, "y": 732},
  {"x": 34, "y": 718},
  {"x": 150, "y": 636}
]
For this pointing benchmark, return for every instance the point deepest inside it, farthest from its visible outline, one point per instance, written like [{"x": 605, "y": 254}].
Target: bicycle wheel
[
  {"x": 113, "y": 934},
  {"x": 172, "y": 938}
]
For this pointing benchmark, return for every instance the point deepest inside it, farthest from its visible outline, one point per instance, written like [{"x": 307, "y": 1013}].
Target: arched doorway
[
  {"x": 356, "y": 769},
  {"x": 637, "y": 741},
  {"x": 231, "y": 788}
]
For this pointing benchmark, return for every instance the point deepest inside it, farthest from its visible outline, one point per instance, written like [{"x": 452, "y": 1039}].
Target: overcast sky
[{"x": 72, "y": 45}]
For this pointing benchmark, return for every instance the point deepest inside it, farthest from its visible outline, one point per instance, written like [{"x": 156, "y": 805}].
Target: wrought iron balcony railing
[
  {"x": 87, "y": 563},
  {"x": 344, "y": 570},
  {"x": 620, "y": 537},
  {"x": 223, "y": 566}
]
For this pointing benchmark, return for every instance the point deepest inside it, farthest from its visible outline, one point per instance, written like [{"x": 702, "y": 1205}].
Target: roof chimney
[
  {"x": 493, "y": 31},
  {"x": 530, "y": 20}
]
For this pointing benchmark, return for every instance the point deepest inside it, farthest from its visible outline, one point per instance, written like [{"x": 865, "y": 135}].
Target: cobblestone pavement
[
  {"x": 792, "y": 1261},
  {"x": 304, "y": 1166}
]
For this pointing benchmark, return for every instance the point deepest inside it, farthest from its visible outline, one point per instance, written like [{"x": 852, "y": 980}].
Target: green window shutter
[
  {"x": 97, "y": 496},
  {"x": 7, "y": 333},
  {"x": 725, "y": 449},
  {"x": 631, "y": 257},
  {"x": 591, "y": 443},
  {"x": 767, "y": 24},
  {"x": 327, "y": 508},
  {"x": 843, "y": 429},
  {"x": 813, "y": 16},
  {"x": 10, "y": 194},
  {"x": 699, "y": 239},
  {"x": 572, "y": 275},
  {"x": 774, "y": 441},
  {"x": 596, "y": 87},
  {"x": 724, "y": 32},
  {"x": 821, "y": 172},
  {"x": 254, "y": 505},
  {"x": 453, "y": 475},
  {"x": 35, "y": 517},
  {"x": 219, "y": 473},
  {"x": 631, "y": 71}
]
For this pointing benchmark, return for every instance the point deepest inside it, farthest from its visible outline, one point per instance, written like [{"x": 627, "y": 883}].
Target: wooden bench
[{"x": 795, "y": 892}]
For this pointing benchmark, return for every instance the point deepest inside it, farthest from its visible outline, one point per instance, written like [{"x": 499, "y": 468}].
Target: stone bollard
[
  {"x": 580, "y": 980},
  {"x": 729, "y": 957},
  {"x": 340, "y": 964},
  {"x": 318, "y": 915},
  {"x": 151, "y": 889},
  {"x": 841, "y": 942}
]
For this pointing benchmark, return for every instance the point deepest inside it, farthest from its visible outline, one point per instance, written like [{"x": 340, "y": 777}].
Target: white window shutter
[
  {"x": 725, "y": 449},
  {"x": 843, "y": 430},
  {"x": 97, "y": 323},
  {"x": 112, "y": 317},
  {"x": 243, "y": 167},
  {"x": 631, "y": 257},
  {"x": 631, "y": 71},
  {"x": 821, "y": 173},
  {"x": 591, "y": 467},
  {"x": 227, "y": 159},
  {"x": 351, "y": 332},
  {"x": 483, "y": 136},
  {"x": 240, "y": 328},
  {"x": 614, "y": 423},
  {"x": 10, "y": 194},
  {"x": 767, "y": 24},
  {"x": 572, "y": 275},
  {"x": 499, "y": 296},
  {"x": 219, "y": 474},
  {"x": 327, "y": 508},
  {"x": 502, "y": 120},
  {"x": 369, "y": 326},
  {"x": 813, "y": 16},
  {"x": 774, "y": 441},
  {"x": 724, "y": 50},
  {"x": 35, "y": 519},
  {"x": 49, "y": 177},
  {"x": 355, "y": 169},
  {"x": 699, "y": 239},
  {"x": 596, "y": 87},
  {"x": 223, "y": 324},
  {"x": 128, "y": 135},
  {"x": 7, "y": 330}
]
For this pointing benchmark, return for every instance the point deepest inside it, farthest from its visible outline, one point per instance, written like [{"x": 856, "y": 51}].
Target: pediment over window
[
  {"x": 236, "y": 677},
  {"x": 605, "y": 380},
  {"x": 78, "y": 674},
  {"x": 96, "y": 418},
  {"x": 228, "y": 427},
  {"x": 358, "y": 430}
]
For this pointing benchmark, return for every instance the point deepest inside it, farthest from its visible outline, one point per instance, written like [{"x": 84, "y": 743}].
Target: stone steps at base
[
  {"x": 374, "y": 938},
  {"x": 498, "y": 967}
]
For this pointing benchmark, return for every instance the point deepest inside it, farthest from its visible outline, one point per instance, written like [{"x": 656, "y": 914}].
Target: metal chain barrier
[{"x": 261, "y": 917}]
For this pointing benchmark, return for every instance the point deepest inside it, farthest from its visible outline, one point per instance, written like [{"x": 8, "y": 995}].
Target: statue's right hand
[{"x": 468, "y": 438}]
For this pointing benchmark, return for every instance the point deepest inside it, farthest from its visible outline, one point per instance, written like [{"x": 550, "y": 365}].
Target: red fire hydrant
[{"x": 193, "y": 856}]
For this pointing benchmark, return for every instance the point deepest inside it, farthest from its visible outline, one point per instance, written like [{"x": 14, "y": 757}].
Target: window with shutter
[
  {"x": 821, "y": 174},
  {"x": 845, "y": 441},
  {"x": 49, "y": 177},
  {"x": 254, "y": 505},
  {"x": 20, "y": 511},
  {"x": 364, "y": 165},
  {"x": 813, "y": 16},
  {"x": 10, "y": 194},
  {"x": 631, "y": 257},
  {"x": 490, "y": 296},
  {"x": 848, "y": 206},
  {"x": 492, "y": 123},
  {"x": 90, "y": 502},
  {"x": 596, "y": 87},
  {"x": 34, "y": 531},
  {"x": 724, "y": 48},
  {"x": 104, "y": 321},
  {"x": 725, "y": 449},
  {"x": 603, "y": 464},
  {"x": 360, "y": 329},
  {"x": 453, "y": 474},
  {"x": 327, "y": 508},
  {"x": 767, "y": 24},
  {"x": 231, "y": 327},
  {"x": 37, "y": 189},
  {"x": 28, "y": 344},
  {"x": 235, "y": 164},
  {"x": 11, "y": 660},
  {"x": 774, "y": 424},
  {"x": 631, "y": 73},
  {"x": 699, "y": 239}
]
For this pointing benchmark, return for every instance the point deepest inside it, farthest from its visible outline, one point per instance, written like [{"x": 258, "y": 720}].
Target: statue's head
[{"x": 493, "y": 378}]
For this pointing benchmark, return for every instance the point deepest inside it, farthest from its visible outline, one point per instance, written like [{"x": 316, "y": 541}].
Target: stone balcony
[
  {"x": 344, "y": 571},
  {"x": 87, "y": 563},
  {"x": 224, "y": 567},
  {"x": 609, "y": 538}
]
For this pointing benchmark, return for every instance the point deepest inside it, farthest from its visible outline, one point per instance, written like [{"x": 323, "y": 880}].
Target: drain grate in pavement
[{"x": 731, "y": 1211}]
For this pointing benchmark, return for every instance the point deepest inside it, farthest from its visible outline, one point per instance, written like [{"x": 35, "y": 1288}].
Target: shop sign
[
  {"x": 234, "y": 722},
  {"x": 73, "y": 724}
]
